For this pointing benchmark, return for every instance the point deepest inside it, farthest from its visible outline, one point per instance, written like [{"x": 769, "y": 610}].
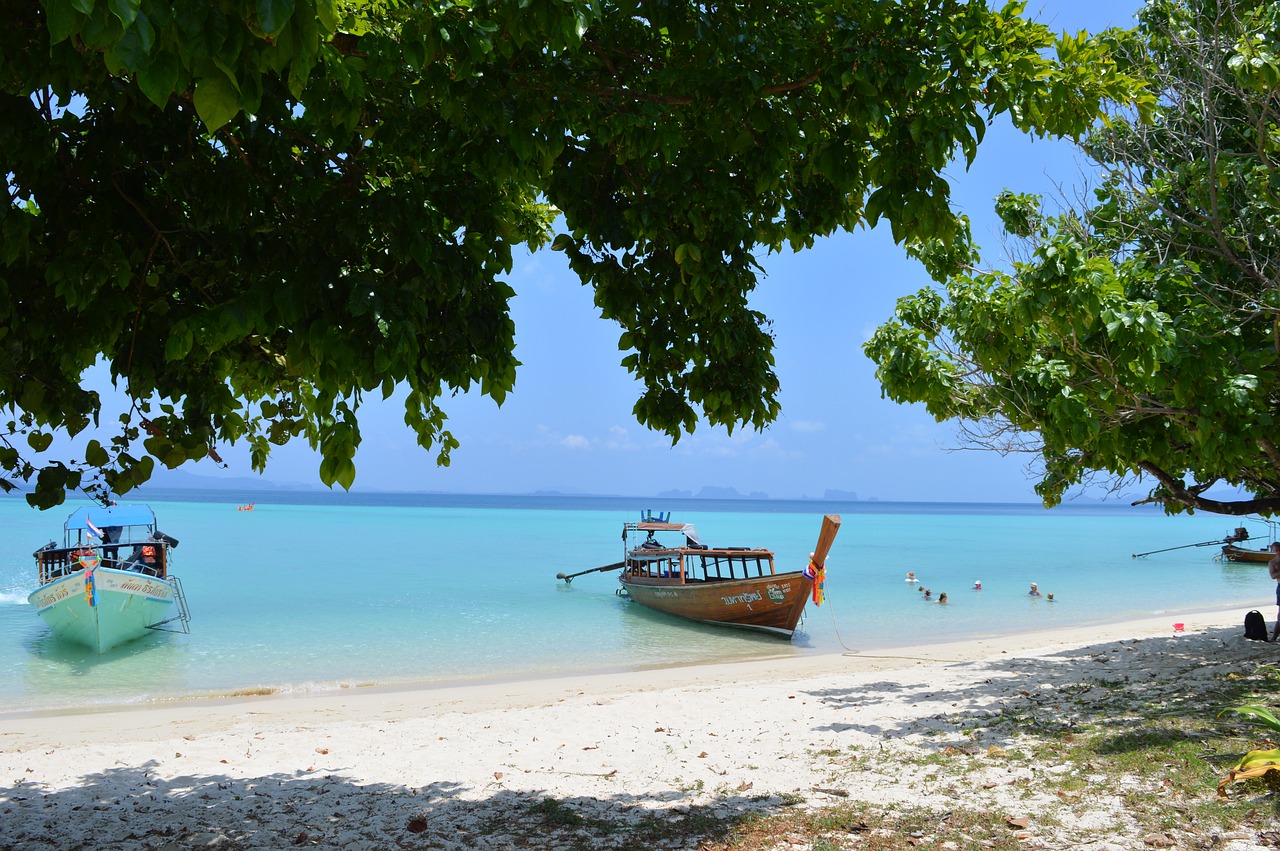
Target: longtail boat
[
  {"x": 726, "y": 586},
  {"x": 109, "y": 581},
  {"x": 1230, "y": 552}
]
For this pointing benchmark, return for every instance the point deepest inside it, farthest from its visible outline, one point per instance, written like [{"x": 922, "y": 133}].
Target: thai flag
[{"x": 94, "y": 531}]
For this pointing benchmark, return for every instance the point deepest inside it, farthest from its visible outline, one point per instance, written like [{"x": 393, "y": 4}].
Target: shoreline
[
  {"x": 320, "y": 628},
  {"x": 801, "y": 661},
  {"x": 375, "y": 700},
  {"x": 489, "y": 766}
]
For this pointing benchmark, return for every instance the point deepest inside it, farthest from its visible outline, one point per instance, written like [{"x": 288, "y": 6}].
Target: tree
[
  {"x": 257, "y": 211},
  {"x": 1139, "y": 335}
]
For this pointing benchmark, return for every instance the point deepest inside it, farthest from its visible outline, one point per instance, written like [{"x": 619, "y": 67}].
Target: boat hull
[
  {"x": 127, "y": 604},
  {"x": 771, "y": 604},
  {"x": 1231, "y": 553}
]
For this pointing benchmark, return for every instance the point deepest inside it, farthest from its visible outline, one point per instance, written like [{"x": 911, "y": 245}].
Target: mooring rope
[
  {"x": 836, "y": 627},
  {"x": 862, "y": 655}
]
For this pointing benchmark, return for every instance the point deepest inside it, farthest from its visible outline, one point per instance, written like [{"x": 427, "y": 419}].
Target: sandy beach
[{"x": 475, "y": 766}]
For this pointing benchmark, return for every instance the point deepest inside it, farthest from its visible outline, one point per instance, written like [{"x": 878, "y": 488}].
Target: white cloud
[
  {"x": 771, "y": 448},
  {"x": 743, "y": 443},
  {"x": 575, "y": 441},
  {"x": 808, "y": 426},
  {"x": 619, "y": 440},
  {"x": 913, "y": 441}
]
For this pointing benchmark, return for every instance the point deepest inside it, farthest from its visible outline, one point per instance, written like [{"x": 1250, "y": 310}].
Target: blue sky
[{"x": 568, "y": 426}]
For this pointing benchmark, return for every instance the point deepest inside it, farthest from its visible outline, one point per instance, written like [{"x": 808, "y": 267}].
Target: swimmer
[
  {"x": 942, "y": 598},
  {"x": 1050, "y": 597},
  {"x": 911, "y": 576},
  {"x": 1034, "y": 592},
  {"x": 928, "y": 595},
  {"x": 977, "y": 585}
]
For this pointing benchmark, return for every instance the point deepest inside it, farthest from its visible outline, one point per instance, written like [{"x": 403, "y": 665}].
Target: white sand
[{"x": 369, "y": 769}]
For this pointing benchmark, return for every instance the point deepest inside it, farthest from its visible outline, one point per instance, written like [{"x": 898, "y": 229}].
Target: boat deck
[{"x": 147, "y": 559}]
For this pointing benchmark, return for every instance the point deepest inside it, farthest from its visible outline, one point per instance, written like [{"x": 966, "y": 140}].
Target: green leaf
[
  {"x": 125, "y": 10},
  {"x": 95, "y": 455},
  {"x": 141, "y": 472},
  {"x": 159, "y": 78},
  {"x": 61, "y": 18},
  {"x": 217, "y": 101},
  {"x": 1261, "y": 714},
  {"x": 327, "y": 12},
  {"x": 273, "y": 15},
  {"x": 1259, "y": 760},
  {"x": 327, "y": 467},
  {"x": 345, "y": 473},
  {"x": 179, "y": 343},
  {"x": 39, "y": 440},
  {"x": 134, "y": 48}
]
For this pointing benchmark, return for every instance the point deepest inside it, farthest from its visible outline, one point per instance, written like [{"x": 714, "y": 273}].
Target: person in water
[
  {"x": 977, "y": 585},
  {"x": 928, "y": 595},
  {"x": 1034, "y": 592},
  {"x": 911, "y": 576},
  {"x": 1050, "y": 597},
  {"x": 942, "y": 598}
]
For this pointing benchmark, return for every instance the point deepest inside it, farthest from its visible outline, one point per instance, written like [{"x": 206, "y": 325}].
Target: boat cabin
[
  {"x": 690, "y": 561},
  {"x": 120, "y": 537}
]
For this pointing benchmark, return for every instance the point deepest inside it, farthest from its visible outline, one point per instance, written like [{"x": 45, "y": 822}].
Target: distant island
[
  {"x": 709, "y": 492},
  {"x": 182, "y": 480}
]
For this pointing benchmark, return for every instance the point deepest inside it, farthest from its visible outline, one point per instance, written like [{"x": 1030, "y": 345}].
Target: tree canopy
[
  {"x": 257, "y": 211},
  {"x": 1137, "y": 335}
]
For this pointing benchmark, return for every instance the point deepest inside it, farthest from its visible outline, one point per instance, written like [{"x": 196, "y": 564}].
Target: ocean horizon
[{"x": 319, "y": 591}]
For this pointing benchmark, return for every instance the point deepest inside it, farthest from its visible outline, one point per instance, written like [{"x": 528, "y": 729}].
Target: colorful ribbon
[{"x": 819, "y": 576}]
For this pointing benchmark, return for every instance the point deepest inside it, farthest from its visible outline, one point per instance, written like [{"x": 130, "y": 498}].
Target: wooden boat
[
  {"x": 1231, "y": 552},
  {"x": 728, "y": 586},
  {"x": 109, "y": 581}
]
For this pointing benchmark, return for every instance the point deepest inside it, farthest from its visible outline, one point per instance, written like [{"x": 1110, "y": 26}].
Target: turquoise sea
[{"x": 314, "y": 592}]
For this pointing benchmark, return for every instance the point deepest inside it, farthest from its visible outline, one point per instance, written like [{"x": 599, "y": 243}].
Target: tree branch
[
  {"x": 1178, "y": 492},
  {"x": 621, "y": 91},
  {"x": 687, "y": 100},
  {"x": 784, "y": 88}
]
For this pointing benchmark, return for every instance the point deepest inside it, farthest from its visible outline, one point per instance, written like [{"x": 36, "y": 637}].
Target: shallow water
[{"x": 398, "y": 589}]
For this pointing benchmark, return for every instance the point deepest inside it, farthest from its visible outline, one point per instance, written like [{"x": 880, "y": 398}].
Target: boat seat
[{"x": 138, "y": 563}]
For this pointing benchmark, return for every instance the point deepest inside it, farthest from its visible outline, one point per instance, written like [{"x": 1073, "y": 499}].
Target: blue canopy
[{"x": 114, "y": 515}]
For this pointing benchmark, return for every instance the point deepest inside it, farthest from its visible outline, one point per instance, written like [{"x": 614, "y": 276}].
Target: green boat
[{"x": 109, "y": 582}]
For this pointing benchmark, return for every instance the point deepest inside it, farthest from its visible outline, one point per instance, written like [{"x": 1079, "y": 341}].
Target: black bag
[{"x": 1255, "y": 626}]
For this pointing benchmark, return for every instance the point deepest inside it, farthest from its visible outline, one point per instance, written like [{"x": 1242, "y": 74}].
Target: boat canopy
[
  {"x": 686, "y": 529},
  {"x": 112, "y": 515}
]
